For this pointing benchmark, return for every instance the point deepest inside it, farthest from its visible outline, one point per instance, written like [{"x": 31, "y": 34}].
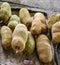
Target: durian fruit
[
  {"x": 38, "y": 24},
  {"x": 6, "y": 35},
  {"x": 58, "y": 17},
  {"x": 14, "y": 20},
  {"x": 30, "y": 45},
  {"x": 5, "y": 12},
  {"x": 55, "y": 31},
  {"x": 19, "y": 38},
  {"x": 40, "y": 16},
  {"x": 25, "y": 17},
  {"x": 53, "y": 19},
  {"x": 43, "y": 21},
  {"x": 44, "y": 49}
]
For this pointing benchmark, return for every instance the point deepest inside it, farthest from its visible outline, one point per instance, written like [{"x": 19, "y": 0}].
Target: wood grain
[{"x": 43, "y": 4}]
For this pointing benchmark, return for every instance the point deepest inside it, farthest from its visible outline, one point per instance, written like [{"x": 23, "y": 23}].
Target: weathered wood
[
  {"x": 12, "y": 1},
  {"x": 43, "y": 4}
]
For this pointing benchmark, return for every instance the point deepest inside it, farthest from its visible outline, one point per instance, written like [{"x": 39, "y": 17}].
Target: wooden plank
[
  {"x": 56, "y": 5},
  {"x": 43, "y": 4},
  {"x": 32, "y": 3},
  {"x": 13, "y": 1},
  {"x": 37, "y": 3}
]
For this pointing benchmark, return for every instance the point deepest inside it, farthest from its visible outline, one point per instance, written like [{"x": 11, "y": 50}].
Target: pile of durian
[{"x": 24, "y": 32}]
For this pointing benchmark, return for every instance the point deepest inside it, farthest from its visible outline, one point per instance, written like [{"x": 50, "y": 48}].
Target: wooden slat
[
  {"x": 43, "y": 4},
  {"x": 13, "y": 1},
  {"x": 56, "y": 5},
  {"x": 33, "y": 3}
]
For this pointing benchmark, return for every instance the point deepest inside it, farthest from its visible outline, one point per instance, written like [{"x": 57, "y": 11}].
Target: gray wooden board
[{"x": 53, "y": 5}]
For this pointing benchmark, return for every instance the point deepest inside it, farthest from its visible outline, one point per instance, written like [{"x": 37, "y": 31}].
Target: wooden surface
[{"x": 43, "y": 4}]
